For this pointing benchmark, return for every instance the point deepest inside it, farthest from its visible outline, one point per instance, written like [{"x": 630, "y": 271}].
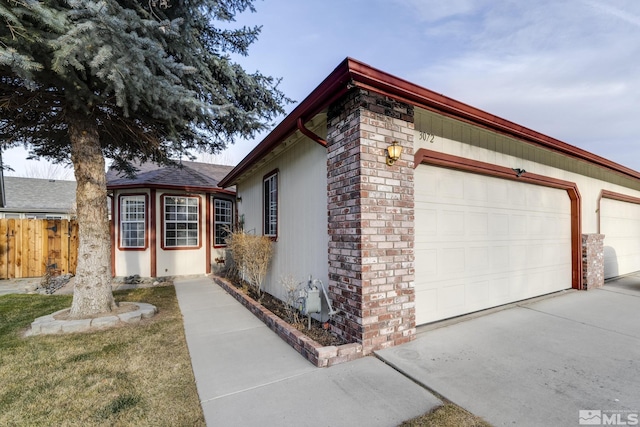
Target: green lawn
[{"x": 130, "y": 375}]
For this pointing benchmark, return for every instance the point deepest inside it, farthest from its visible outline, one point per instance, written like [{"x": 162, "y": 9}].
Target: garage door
[
  {"x": 620, "y": 224},
  {"x": 483, "y": 241}
]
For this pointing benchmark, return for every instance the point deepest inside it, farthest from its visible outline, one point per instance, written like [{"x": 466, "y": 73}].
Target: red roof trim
[
  {"x": 353, "y": 72},
  {"x": 173, "y": 188}
]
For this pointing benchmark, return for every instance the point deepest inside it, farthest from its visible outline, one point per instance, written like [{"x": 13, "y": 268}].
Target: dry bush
[
  {"x": 291, "y": 288},
  {"x": 251, "y": 255}
]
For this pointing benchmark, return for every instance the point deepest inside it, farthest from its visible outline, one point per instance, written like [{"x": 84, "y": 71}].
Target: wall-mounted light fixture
[
  {"x": 519, "y": 171},
  {"x": 393, "y": 152},
  {"x": 238, "y": 198}
]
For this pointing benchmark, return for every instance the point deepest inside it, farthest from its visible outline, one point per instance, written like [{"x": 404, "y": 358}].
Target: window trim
[
  {"x": 274, "y": 173},
  {"x": 162, "y": 223},
  {"x": 146, "y": 222},
  {"x": 213, "y": 234}
]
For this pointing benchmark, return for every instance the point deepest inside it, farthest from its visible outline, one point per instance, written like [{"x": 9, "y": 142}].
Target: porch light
[{"x": 393, "y": 152}]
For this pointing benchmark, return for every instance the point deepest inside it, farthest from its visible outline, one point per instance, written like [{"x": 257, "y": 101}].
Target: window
[
  {"x": 223, "y": 221},
  {"x": 133, "y": 221},
  {"x": 270, "y": 187},
  {"x": 181, "y": 221}
]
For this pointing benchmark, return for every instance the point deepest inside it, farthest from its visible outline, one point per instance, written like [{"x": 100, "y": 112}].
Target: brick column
[
  {"x": 592, "y": 261},
  {"x": 371, "y": 220}
]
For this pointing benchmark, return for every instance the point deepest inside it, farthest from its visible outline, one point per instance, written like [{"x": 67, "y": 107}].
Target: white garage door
[
  {"x": 483, "y": 241},
  {"x": 620, "y": 224}
]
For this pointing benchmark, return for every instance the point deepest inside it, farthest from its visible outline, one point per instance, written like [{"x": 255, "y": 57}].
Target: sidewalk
[{"x": 246, "y": 375}]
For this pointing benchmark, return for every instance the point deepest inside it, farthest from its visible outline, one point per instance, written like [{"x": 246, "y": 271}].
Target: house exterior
[
  {"x": 33, "y": 198},
  {"x": 170, "y": 220},
  {"x": 476, "y": 212}
]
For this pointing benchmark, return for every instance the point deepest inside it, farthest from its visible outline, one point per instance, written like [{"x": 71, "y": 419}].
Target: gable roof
[
  {"x": 352, "y": 73},
  {"x": 191, "y": 176},
  {"x": 39, "y": 195}
]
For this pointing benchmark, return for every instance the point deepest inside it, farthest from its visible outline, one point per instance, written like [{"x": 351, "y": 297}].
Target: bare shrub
[
  {"x": 291, "y": 290},
  {"x": 252, "y": 255}
]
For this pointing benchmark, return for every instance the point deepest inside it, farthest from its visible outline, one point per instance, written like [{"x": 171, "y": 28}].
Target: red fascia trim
[
  {"x": 460, "y": 163},
  {"x": 146, "y": 221},
  {"x": 153, "y": 239},
  {"x": 373, "y": 79},
  {"x": 606, "y": 194},
  {"x": 331, "y": 88},
  {"x": 200, "y": 216},
  {"x": 352, "y": 73},
  {"x": 112, "y": 227},
  {"x": 207, "y": 227},
  {"x": 188, "y": 189}
]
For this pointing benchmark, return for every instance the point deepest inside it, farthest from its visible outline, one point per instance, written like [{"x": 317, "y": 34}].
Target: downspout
[{"x": 310, "y": 134}]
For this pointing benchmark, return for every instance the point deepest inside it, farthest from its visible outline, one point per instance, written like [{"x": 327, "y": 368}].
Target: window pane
[
  {"x": 181, "y": 220},
  {"x": 132, "y": 221},
  {"x": 223, "y": 220},
  {"x": 271, "y": 205}
]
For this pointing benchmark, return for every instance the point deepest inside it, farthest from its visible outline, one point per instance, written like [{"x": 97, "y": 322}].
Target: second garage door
[
  {"x": 620, "y": 224},
  {"x": 483, "y": 241}
]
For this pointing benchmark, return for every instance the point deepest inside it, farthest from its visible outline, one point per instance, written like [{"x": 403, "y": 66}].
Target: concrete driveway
[{"x": 538, "y": 363}]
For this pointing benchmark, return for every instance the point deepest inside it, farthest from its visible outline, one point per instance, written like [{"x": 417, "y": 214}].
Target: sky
[{"x": 569, "y": 69}]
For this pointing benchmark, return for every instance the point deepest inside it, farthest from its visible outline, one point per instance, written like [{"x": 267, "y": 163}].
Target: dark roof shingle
[{"x": 191, "y": 174}]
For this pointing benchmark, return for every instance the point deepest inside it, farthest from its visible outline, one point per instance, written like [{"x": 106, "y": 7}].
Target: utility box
[{"x": 312, "y": 302}]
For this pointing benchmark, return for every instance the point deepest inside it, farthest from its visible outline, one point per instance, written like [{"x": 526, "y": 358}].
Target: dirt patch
[{"x": 120, "y": 309}]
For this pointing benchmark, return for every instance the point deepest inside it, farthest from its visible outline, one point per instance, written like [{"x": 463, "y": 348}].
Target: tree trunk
[{"x": 92, "y": 293}]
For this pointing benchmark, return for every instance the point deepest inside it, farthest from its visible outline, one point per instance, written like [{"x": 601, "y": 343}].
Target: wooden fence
[{"x": 28, "y": 247}]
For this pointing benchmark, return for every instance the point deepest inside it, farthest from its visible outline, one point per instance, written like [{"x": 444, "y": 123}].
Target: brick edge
[{"x": 320, "y": 356}]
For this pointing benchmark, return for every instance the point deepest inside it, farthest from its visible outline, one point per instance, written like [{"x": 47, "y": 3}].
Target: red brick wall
[{"x": 371, "y": 215}]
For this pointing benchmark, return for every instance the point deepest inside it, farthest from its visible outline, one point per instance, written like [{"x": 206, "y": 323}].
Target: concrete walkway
[
  {"x": 247, "y": 376},
  {"x": 538, "y": 363}
]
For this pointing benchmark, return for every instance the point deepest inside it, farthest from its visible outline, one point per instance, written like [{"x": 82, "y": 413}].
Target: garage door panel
[
  {"x": 479, "y": 259},
  {"x": 495, "y": 242},
  {"x": 478, "y": 223},
  {"x": 620, "y": 224},
  {"x": 451, "y": 223}
]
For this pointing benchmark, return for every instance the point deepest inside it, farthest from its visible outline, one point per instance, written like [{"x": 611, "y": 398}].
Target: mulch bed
[{"x": 319, "y": 331}]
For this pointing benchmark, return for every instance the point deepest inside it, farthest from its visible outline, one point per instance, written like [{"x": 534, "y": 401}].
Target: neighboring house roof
[
  {"x": 191, "y": 176},
  {"x": 352, "y": 73},
  {"x": 39, "y": 195}
]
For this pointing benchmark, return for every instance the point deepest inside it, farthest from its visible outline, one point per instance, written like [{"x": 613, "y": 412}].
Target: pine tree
[{"x": 127, "y": 80}]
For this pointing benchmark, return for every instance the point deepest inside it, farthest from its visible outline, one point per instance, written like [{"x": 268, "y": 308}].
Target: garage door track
[{"x": 538, "y": 363}]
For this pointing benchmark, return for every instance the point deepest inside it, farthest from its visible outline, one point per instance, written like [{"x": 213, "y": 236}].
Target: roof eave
[
  {"x": 331, "y": 88},
  {"x": 355, "y": 73},
  {"x": 192, "y": 189}
]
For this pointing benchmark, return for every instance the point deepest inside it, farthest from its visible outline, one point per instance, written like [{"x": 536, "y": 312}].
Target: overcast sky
[{"x": 566, "y": 68}]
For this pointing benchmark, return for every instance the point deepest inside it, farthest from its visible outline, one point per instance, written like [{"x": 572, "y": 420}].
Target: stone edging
[
  {"x": 315, "y": 353},
  {"x": 46, "y": 325}
]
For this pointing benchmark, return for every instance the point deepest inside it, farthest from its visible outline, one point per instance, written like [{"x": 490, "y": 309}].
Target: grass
[
  {"x": 126, "y": 376},
  {"x": 448, "y": 415}
]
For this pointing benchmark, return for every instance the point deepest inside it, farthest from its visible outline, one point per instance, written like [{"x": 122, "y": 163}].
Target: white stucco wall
[
  {"x": 182, "y": 261},
  {"x": 301, "y": 245},
  {"x": 129, "y": 262},
  {"x": 169, "y": 262}
]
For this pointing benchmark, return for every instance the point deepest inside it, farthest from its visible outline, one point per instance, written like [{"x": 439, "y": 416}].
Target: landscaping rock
[
  {"x": 49, "y": 325},
  {"x": 78, "y": 325},
  {"x": 105, "y": 322},
  {"x": 147, "y": 310},
  {"x": 131, "y": 317}
]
